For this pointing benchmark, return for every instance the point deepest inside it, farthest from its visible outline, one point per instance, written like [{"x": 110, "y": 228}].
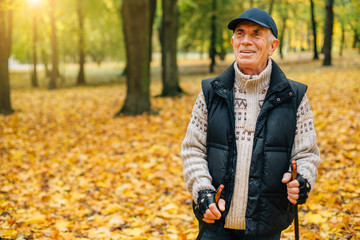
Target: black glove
[
  {"x": 206, "y": 197},
  {"x": 304, "y": 189}
]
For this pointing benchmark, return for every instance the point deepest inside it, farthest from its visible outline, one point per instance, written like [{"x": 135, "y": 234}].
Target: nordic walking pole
[
  {"x": 296, "y": 215},
  {"x": 217, "y": 197}
]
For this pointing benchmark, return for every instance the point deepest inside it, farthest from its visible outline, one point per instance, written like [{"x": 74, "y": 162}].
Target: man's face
[{"x": 252, "y": 47}]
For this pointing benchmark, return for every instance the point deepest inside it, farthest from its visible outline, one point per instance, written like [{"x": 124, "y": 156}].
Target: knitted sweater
[{"x": 249, "y": 94}]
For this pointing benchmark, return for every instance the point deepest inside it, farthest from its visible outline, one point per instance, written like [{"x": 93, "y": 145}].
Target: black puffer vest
[{"x": 268, "y": 210}]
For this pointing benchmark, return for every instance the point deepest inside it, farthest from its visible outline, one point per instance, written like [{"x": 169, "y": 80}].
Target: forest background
[{"x": 89, "y": 149}]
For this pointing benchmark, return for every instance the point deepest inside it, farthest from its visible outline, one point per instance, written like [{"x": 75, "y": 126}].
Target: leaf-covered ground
[{"x": 70, "y": 170}]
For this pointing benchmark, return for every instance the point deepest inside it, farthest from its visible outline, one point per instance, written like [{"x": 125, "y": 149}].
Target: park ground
[{"x": 71, "y": 170}]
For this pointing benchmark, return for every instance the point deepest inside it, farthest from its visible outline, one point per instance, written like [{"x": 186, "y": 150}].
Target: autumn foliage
[{"x": 70, "y": 170}]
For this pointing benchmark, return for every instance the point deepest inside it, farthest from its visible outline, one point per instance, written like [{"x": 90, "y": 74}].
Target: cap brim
[{"x": 232, "y": 25}]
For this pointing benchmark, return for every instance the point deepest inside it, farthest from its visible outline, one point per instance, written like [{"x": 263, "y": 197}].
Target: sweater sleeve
[
  {"x": 193, "y": 150},
  {"x": 305, "y": 150}
]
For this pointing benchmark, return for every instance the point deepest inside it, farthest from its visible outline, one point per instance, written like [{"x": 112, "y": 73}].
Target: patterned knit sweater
[{"x": 249, "y": 95}]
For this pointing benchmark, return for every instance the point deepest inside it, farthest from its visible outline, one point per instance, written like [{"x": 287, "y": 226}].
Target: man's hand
[
  {"x": 206, "y": 207},
  {"x": 292, "y": 188},
  {"x": 298, "y": 189},
  {"x": 213, "y": 213}
]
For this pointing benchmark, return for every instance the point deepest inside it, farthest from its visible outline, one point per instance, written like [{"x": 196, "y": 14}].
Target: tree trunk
[
  {"x": 222, "y": 53},
  {"x": 342, "y": 38},
  {"x": 9, "y": 29},
  {"x": 34, "y": 79},
  {"x": 212, "y": 51},
  {"x": 328, "y": 32},
  {"x": 45, "y": 61},
  {"x": 135, "y": 13},
  {"x": 152, "y": 17},
  {"x": 54, "y": 73},
  {"x": 251, "y": 3},
  {"x": 169, "y": 32},
  {"x": 271, "y": 6},
  {"x": 281, "y": 37},
  {"x": 81, "y": 74},
  {"x": 5, "y": 49},
  {"x": 356, "y": 38},
  {"x": 316, "y": 56}
]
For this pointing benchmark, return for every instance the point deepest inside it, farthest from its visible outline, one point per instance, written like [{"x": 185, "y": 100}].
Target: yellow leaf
[
  {"x": 36, "y": 219},
  {"x": 62, "y": 225},
  {"x": 315, "y": 218},
  {"x": 10, "y": 233},
  {"x": 134, "y": 232},
  {"x": 111, "y": 209}
]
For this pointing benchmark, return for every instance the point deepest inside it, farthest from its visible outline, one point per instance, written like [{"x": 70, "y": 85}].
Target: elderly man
[{"x": 246, "y": 127}]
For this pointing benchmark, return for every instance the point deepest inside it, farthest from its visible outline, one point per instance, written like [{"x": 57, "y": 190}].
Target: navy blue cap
[{"x": 258, "y": 16}]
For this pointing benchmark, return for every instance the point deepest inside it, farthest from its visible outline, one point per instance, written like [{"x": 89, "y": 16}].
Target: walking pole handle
[
  {"x": 218, "y": 193},
  {"x": 204, "y": 225},
  {"x": 293, "y": 170}
]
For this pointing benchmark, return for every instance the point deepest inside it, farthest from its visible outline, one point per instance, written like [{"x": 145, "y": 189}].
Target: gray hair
[{"x": 271, "y": 37}]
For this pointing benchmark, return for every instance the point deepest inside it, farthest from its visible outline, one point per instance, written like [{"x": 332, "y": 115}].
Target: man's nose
[{"x": 246, "y": 40}]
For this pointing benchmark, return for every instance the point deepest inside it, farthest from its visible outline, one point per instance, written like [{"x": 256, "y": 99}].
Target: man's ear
[
  {"x": 273, "y": 46},
  {"x": 232, "y": 40}
]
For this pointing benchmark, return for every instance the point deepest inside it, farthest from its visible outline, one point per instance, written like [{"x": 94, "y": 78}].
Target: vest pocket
[
  {"x": 275, "y": 211},
  {"x": 217, "y": 157},
  {"x": 276, "y": 163}
]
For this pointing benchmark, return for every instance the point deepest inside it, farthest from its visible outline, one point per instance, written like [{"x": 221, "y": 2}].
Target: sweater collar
[
  {"x": 261, "y": 81},
  {"x": 278, "y": 80}
]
